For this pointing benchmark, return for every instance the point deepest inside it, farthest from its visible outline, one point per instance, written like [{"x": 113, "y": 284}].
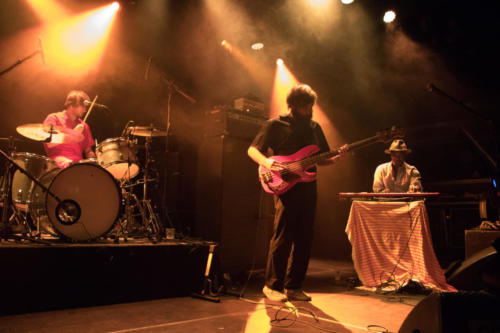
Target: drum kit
[{"x": 87, "y": 200}]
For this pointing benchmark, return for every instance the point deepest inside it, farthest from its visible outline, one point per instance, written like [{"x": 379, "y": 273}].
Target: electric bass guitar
[{"x": 297, "y": 165}]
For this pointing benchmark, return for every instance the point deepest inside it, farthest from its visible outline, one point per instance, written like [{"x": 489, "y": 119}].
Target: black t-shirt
[{"x": 285, "y": 136}]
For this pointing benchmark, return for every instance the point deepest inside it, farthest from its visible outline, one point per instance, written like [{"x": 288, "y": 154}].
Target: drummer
[{"x": 79, "y": 143}]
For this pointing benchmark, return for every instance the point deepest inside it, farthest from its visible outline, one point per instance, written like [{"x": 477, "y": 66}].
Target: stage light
[
  {"x": 284, "y": 80},
  {"x": 257, "y": 46},
  {"x": 48, "y": 10},
  {"x": 347, "y": 2},
  {"x": 225, "y": 44},
  {"x": 75, "y": 45},
  {"x": 389, "y": 16},
  {"x": 115, "y": 6},
  {"x": 318, "y": 2},
  {"x": 255, "y": 68}
]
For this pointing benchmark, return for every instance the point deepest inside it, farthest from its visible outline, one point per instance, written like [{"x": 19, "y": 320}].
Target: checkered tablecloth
[{"x": 391, "y": 241}]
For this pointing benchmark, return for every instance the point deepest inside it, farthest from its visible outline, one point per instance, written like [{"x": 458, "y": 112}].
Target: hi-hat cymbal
[
  {"x": 146, "y": 131},
  {"x": 42, "y": 132}
]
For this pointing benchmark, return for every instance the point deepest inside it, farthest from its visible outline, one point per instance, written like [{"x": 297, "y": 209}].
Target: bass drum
[{"x": 88, "y": 187}]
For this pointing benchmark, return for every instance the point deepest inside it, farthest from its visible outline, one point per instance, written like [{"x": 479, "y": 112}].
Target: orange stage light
[
  {"x": 252, "y": 65},
  {"x": 75, "y": 45},
  {"x": 284, "y": 80},
  {"x": 48, "y": 10}
]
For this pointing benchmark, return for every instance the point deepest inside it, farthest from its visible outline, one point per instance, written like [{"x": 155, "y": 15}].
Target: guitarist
[{"x": 289, "y": 249}]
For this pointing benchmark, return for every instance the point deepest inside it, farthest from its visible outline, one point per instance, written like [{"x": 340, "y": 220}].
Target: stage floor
[{"x": 337, "y": 307}]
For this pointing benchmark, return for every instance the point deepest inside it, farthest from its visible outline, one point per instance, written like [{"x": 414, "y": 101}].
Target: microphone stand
[
  {"x": 493, "y": 132},
  {"x": 432, "y": 88},
  {"x": 171, "y": 88},
  {"x": 20, "y": 61}
]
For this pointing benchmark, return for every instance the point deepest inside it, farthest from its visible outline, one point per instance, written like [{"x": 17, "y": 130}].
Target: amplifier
[{"x": 233, "y": 122}]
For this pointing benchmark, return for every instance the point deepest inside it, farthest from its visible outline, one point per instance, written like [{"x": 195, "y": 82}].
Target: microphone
[
  {"x": 148, "y": 66},
  {"x": 125, "y": 130},
  {"x": 88, "y": 103},
  {"x": 430, "y": 87},
  {"x": 40, "y": 49}
]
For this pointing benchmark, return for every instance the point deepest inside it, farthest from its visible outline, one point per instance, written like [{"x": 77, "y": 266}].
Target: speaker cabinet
[
  {"x": 232, "y": 209},
  {"x": 469, "y": 274},
  {"x": 454, "y": 313},
  {"x": 477, "y": 240}
]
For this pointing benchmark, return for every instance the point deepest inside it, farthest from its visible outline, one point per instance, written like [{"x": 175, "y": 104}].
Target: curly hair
[{"x": 301, "y": 95}]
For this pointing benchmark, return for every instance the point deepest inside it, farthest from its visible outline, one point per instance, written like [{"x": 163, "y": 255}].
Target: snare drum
[
  {"x": 118, "y": 156},
  {"x": 36, "y": 166},
  {"x": 90, "y": 189}
]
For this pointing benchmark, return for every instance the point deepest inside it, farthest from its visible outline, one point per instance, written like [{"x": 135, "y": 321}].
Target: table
[{"x": 392, "y": 240}]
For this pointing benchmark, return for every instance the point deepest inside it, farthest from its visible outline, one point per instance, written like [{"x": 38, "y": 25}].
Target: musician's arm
[
  {"x": 89, "y": 153},
  {"x": 415, "y": 181},
  {"x": 259, "y": 158},
  {"x": 378, "y": 184},
  {"x": 334, "y": 159}
]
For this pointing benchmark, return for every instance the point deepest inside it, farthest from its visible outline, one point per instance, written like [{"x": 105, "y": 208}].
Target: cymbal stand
[{"x": 149, "y": 218}]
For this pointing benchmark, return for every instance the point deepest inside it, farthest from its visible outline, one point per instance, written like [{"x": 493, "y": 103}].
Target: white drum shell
[{"x": 95, "y": 191}]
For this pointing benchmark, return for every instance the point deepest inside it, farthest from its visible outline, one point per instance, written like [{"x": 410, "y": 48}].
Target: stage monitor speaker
[
  {"x": 467, "y": 275},
  {"x": 471, "y": 312},
  {"x": 232, "y": 209}
]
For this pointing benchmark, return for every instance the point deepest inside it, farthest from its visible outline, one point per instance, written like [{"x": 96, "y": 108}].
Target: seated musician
[
  {"x": 80, "y": 141},
  {"x": 397, "y": 175}
]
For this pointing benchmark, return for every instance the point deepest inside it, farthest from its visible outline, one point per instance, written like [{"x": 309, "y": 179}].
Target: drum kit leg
[
  {"x": 89, "y": 200},
  {"x": 135, "y": 208}
]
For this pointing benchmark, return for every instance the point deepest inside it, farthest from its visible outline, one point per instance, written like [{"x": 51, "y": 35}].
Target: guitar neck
[{"x": 311, "y": 160}]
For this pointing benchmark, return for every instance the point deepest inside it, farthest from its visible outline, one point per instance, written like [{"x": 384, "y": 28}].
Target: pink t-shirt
[{"x": 73, "y": 151}]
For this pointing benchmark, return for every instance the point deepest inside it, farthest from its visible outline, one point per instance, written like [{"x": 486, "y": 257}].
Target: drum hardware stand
[
  {"x": 150, "y": 223},
  {"x": 206, "y": 292},
  {"x": 5, "y": 232},
  {"x": 149, "y": 218}
]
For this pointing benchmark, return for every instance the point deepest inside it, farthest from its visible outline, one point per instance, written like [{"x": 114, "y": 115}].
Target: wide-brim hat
[{"x": 398, "y": 145}]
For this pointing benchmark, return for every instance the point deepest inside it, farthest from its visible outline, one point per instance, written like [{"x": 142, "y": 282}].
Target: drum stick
[{"x": 90, "y": 109}]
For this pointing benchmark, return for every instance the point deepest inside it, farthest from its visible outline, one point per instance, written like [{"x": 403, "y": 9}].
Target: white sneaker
[{"x": 274, "y": 295}]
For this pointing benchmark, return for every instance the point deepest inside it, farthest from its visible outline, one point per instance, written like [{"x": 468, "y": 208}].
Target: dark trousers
[{"x": 290, "y": 246}]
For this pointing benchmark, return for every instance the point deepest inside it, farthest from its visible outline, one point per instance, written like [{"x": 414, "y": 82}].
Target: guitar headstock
[{"x": 389, "y": 134}]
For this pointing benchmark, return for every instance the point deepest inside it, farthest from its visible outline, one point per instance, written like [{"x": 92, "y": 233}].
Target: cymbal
[
  {"x": 12, "y": 139},
  {"x": 146, "y": 131},
  {"x": 42, "y": 132}
]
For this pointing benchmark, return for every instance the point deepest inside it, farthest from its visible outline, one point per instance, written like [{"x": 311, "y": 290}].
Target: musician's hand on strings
[
  {"x": 274, "y": 165},
  {"x": 343, "y": 150},
  {"x": 342, "y": 153}
]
